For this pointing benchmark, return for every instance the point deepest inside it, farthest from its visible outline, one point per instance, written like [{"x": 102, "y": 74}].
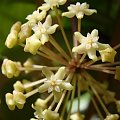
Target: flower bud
[
  {"x": 28, "y": 64},
  {"x": 19, "y": 99},
  {"x": 18, "y": 86},
  {"x": 12, "y": 38},
  {"x": 10, "y": 101},
  {"x": 108, "y": 55},
  {"x": 25, "y": 82},
  {"x": 24, "y": 33},
  {"x": 51, "y": 115},
  {"x": 10, "y": 68},
  {"x": 41, "y": 103},
  {"x": 32, "y": 45},
  {"x": 16, "y": 26}
]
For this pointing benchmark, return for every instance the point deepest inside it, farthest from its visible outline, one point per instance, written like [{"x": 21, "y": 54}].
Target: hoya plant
[{"x": 70, "y": 72}]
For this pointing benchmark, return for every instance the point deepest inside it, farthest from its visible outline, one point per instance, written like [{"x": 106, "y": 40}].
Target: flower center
[
  {"x": 53, "y": 83},
  {"x": 90, "y": 42}
]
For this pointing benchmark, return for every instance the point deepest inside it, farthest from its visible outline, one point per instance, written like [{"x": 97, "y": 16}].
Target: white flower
[
  {"x": 89, "y": 44},
  {"x": 79, "y": 10},
  {"x": 35, "y": 17},
  {"x": 43, "y": 30},
  {"x": 32, "y": 44},
  {"x": 51, "y": 4},
  {"x": 55, "y": 82}
]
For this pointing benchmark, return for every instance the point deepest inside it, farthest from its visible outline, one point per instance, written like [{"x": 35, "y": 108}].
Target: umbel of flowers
[{"x": 60, "y": 82}]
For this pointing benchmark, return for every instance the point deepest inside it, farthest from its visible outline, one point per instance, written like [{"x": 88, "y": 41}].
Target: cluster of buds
[{"x": 60, "y": 81}]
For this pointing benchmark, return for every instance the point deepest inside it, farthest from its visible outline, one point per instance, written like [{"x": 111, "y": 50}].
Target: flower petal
[
  {"x": 68, "y": 14},
  {"x": 47, "y": 72},
  {"x": 79, "y": 37},
  {"x": 79, "y": 49},
  {"x": 90, "y": 11},
  {"x": 92, "y": 54},
  {"x": 60, "y": 73},
  {"x": 66, "y": 86},
  {"x": 52, "y": 29}
]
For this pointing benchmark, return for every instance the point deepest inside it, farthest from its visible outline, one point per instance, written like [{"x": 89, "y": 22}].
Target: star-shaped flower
[
  {"x": 55, "y": 82},
  {"x": 51, "y": 3},
  {"x": 89, "y": 44},
  {"x": 79, "y": 10},
  {"x": 43, "y": 30}
]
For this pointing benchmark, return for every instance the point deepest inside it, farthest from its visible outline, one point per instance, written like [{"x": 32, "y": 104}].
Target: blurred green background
[{"x": 107, "y": 21}]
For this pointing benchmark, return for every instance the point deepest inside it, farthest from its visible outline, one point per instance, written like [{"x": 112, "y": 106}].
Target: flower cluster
[{"x": 68, "y": 71}]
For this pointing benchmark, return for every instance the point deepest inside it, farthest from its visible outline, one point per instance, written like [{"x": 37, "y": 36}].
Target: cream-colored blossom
[
  {"x": 16, "y": 99},
  {"x": 43, "y": 30},
  {"x": 12, "y": 39},
  {"x": 39, "y": 106},
  {"x": 19, "y": 99},
  {"x": 28, "y": 64},
  {"x": 32, "y": 44},
  {"x": 16, "y": 26},
  {"x": 50, "y": 115},
  {"x": 54, "y": 81},
  {"x": 25, "y": 32},
  {"x": 11, "y": 68},
  {"x": 50, "y": 4},
  {"x": 112, "y": 117},
  {"x": 79, "y": 10},
  {"x": 108, "y": 54},
  {"x": 89, "y": 44},
  {"x": 18, "y": 86},
  {"x": 35, "y": 17},
  {"x": 10, "y": 101}
]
